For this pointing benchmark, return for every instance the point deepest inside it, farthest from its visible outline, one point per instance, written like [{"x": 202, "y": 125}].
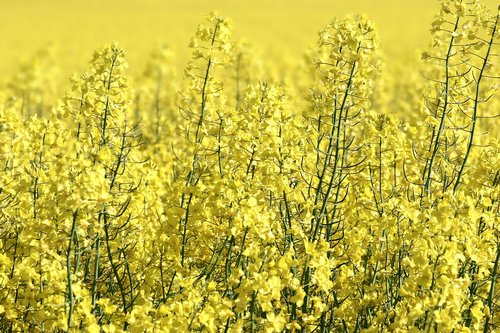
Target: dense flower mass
[{"x": 232, "y": 201}]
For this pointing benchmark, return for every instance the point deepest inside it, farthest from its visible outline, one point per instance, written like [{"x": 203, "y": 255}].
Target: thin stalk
[
  {"x": 476, "y": 103},
  {"x": 435, "y": 150},
  {"x": 71, "y": 298}
]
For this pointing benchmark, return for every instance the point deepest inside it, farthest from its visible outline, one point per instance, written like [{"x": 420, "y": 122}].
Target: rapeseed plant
[{"x": 233, "y": 200}]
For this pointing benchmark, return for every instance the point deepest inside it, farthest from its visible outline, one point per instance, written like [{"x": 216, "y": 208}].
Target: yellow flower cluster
[{"x": 248, "y": 203}]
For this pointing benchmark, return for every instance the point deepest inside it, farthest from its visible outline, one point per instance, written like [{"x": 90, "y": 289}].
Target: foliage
[{"x": 230, "y": 201}]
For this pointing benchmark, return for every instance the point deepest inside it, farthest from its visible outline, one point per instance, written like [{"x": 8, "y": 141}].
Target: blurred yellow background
[{"x": 281, "y": 28}]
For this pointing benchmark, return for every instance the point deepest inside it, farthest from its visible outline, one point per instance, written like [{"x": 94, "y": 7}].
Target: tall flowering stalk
[
  {"x": 460, "y": 81},
  {"x": 199, "y": 109},
  {"x": 347, "y": 64}
]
